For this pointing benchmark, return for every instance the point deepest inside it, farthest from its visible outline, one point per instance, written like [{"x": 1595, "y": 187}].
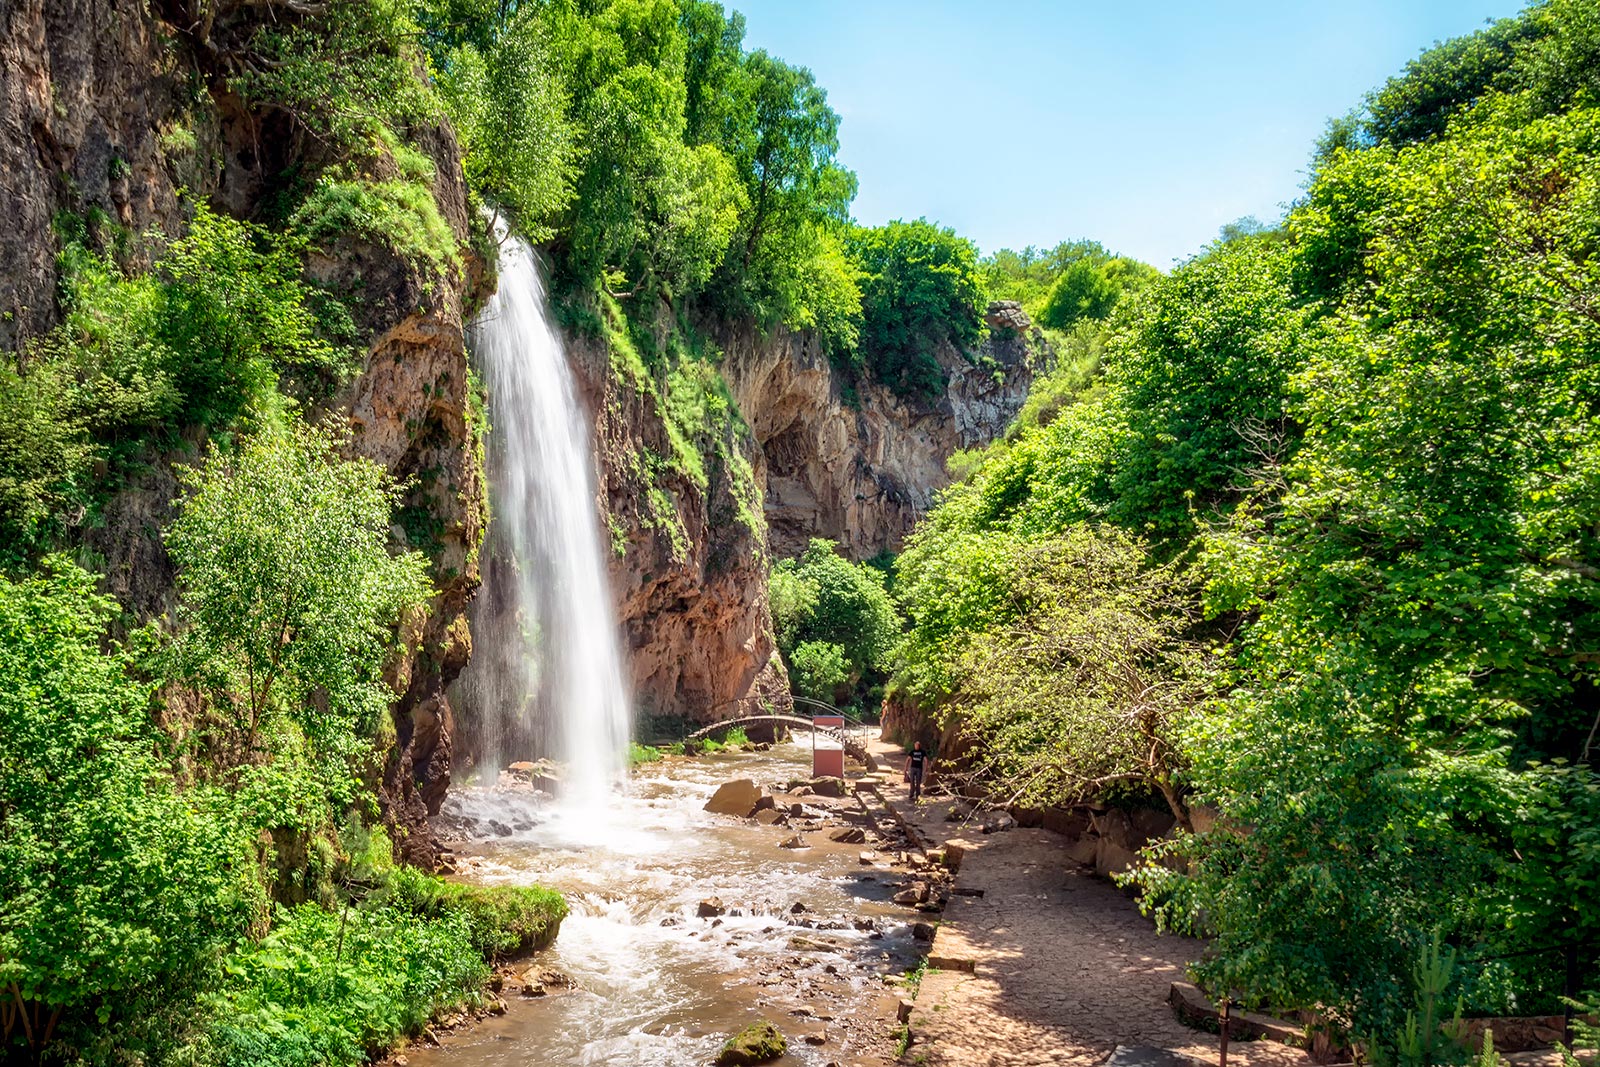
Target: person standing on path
[{"x": 916, "y": 759}]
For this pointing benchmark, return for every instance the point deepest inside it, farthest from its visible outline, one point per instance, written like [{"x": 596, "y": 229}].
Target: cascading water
[{"x": 546, "y": 669}]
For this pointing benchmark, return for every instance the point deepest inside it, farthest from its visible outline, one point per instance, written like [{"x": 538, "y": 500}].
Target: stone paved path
[{"x": 1063, "y": 968}]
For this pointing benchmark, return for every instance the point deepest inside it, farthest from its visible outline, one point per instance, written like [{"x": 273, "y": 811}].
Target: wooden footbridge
[{"x": 854, "y": 747}]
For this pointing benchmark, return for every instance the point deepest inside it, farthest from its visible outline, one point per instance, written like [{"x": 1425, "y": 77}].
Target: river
[{"x": 657, "y": 984}]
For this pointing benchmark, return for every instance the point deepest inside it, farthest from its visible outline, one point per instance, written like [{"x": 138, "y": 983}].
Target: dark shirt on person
[{"x": 917, "y": 757}]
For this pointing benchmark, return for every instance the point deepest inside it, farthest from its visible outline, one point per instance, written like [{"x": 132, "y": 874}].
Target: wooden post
[
  {"x": 1222, "y": 1060},
  {"x": 1570, "y": 991}
]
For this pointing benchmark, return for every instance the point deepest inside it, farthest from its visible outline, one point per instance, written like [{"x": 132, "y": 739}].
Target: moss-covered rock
[{"x": 756, "y": 1043}]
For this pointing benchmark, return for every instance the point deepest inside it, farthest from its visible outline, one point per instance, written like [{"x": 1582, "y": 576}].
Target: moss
[
  {"x": 502, "y": 920},
  {"x": 757, "y": 1043},
  {"x": 402, "y": 215}
]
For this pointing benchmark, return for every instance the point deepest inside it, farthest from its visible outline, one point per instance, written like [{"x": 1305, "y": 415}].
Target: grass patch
[
  {"x": 639, "y": 754},
  {"x": 501, "y": 919},
  {"x": 915, "y": 976},
  {"x": 902, "y": 1040},
  {"x": 402, "y": 215}
]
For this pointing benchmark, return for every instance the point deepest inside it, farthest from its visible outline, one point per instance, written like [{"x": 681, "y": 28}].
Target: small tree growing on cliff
[{"x": 289, "y": 593}]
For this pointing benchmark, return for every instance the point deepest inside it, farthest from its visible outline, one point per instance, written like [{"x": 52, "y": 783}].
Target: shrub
[
  {"x": 117, "y": 895},
  {"x": 335, "y": 987},
  {"x": 400, "y": 215},
  {"x": 819, "y": 670},
  {"x": 920, "y": 290}
]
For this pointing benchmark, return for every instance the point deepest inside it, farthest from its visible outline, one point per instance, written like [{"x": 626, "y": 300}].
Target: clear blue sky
[{"x": 1144, "y": 124}]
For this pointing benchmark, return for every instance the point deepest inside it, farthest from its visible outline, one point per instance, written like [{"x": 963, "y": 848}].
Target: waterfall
[{"x": 546, "y": 671}]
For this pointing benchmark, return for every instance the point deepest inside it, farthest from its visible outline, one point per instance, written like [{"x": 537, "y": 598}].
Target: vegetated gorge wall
[
  {"x": 693, "y": 600},
  {"x": 100, "y": 117}
]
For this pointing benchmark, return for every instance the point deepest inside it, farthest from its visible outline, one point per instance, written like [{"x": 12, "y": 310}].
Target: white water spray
[{"x": 546, "y": 666}]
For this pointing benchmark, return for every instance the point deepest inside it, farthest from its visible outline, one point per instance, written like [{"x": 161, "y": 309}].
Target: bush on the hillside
[
  {"x": 289, "y": 593},
  {"x": 840, "y": 613},
  {"x": 920, "y": 293},
  {"x": 118, "y": 893},
  {"x": 200, "y": 342}
]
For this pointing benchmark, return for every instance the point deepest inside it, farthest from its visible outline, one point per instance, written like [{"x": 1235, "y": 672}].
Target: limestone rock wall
[
  {"x": 691, "y": 591},
  {"x": 89, "y": 88},
  {"x": 862, "y": 472}
]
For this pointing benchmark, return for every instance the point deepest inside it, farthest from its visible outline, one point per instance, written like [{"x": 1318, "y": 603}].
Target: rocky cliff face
[
  {"x": 689, "y": 569},
  {"x": 861, "y": 472},
  {"x": 89, "y": 89},
  {"x": 105, "y": 113},
  {"x": 689, "y": 559}
]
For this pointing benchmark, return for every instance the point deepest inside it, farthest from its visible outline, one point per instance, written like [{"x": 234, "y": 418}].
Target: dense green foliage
[
  {"x": 200, "y": 342},
  {"x": 1073, "y": 281},
  {"x": 134, "y": 866},
  {"x": 290, "y": 593},
  {"x": 1369, "y": 438},
  {"x": 920, "y": 292},
  {"x": 100, "y": 857},
  {"x": 1081, "y": 672},
  {"x": 836, "y": 626},
  {"x": 335, "y": 987}
]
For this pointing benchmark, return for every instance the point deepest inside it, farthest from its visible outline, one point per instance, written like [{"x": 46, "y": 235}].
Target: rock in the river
[
  {"x": 867, "y": 858},
  {"x": 769, "y": 816},
  {"x": 922, "y": 931},
  {"x": 849, "y": 835},
  {"x": 917, "y": 893},
  {"x": 758, "y": 1043},
  {"x": 738, "y": 797},
  {"x": 828, "y": 786},
  {"x": 796, "y": 841},
  {"x": 711, "y": 907},
  {"x": 543, "y": 981}
]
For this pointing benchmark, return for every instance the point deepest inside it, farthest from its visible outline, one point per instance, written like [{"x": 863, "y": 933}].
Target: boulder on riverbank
[
  {"x": 758, "y": 1043},
  {"x": 738, "y": 797},
  {"x": 828, "y": 786}
]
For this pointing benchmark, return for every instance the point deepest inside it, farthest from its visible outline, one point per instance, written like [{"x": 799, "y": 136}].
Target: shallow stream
[{"x": 657, "y": 984}]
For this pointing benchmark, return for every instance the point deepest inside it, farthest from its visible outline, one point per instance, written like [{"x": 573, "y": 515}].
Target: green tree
[
  {"x": 819, "y": 670},
  {"x": 289, "y": 592},
  {"x": 509, "y": 106},
  {"x": 117, "y": 894},
  {"x": 920, "y": 292},
  {"x": 1091, "y": 287},
  {"x": 822, "y": 600},
  {"x": 1421, "y": 579},
  {"x": 1083, "y": 674}
]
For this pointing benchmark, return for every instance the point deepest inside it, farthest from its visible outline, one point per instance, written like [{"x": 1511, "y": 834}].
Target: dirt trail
[{"x": 1056, "y": 966}]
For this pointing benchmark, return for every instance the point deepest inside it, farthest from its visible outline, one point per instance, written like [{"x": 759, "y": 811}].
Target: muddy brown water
[{"x": 658, "y": 985}]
